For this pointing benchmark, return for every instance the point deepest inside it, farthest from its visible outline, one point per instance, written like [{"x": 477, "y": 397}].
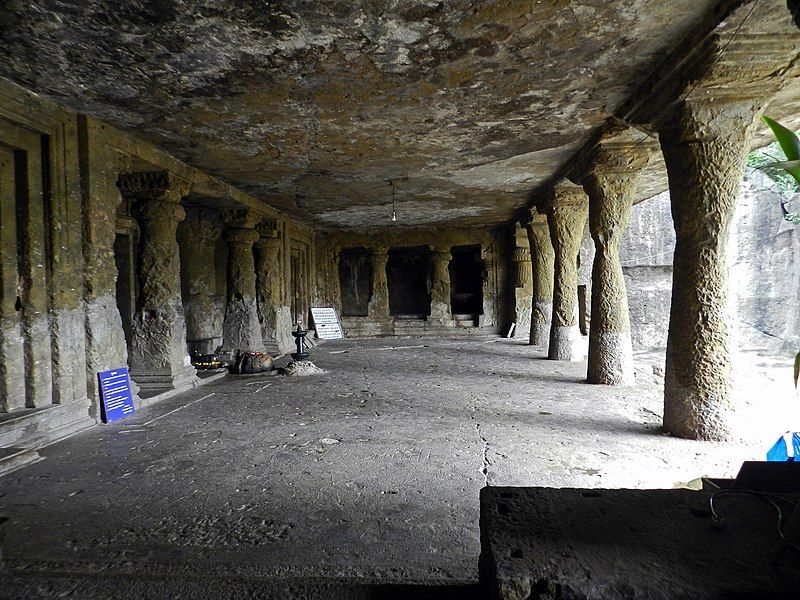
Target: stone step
[
  {"x": 35, "y": 427},
  {"x": 12, "y": 458}
]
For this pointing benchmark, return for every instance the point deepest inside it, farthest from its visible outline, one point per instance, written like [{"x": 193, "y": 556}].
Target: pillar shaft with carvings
[
  {"x": 198, "y": 235},
  {"x": 241, "y": 330},
  {"x": 567, "y": 210},
  {"x": 379, "y": 300},
  {"x": 542, "y": 266},
  {"x": 614, "y": 171},
  {"x": 158, "y": 355},
  {"x": 268, "y": 288},
  {"x": 441, "y": 311}
]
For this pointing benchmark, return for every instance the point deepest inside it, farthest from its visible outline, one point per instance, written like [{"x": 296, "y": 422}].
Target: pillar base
[
  {"x": 240, "y": 330},
  {"x": 540, "y": 323},
  {"x": 611, "y": 359},
  {"x": 149, "y": 382},
  {"x": 566, "y": 344}
]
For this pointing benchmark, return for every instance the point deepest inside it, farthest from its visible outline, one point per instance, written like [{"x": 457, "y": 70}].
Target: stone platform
[{"x": 575, "y": 544}]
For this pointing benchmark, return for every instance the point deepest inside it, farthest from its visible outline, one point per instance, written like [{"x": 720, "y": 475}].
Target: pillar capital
[
  {"x": 536, "y": 218},
  {"x": 268, "y": 229},
  {"x": 621, "y": 152},
  {"x": 241, "y": 218},
  {"x": 158, "y": 211},
  {"x": 240, "y": 235},
  {"x": 440, "y": 255},
  {"x": 380, "y": 254},
  {"x": 202, "y": 227},
  {"x": 565, "y": 194},
  {"x": 153, "y": 185}
]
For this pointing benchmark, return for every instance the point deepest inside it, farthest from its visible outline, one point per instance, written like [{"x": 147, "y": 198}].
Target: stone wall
[
  {"x": 765, "y": 268},
  {"x": 65, "y": 225},
  {"x": 495, "y": 254},
  {"x": 646, "y": 253}
]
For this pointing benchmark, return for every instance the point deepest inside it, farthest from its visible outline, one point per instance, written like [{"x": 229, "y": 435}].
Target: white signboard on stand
[{"x": 327, "y": 323}]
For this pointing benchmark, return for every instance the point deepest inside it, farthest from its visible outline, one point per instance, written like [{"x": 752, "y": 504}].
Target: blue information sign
[{"x": 116, "y": 399}]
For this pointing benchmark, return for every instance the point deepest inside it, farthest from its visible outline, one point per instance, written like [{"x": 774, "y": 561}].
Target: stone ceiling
[{"x": 313, "y": 106}]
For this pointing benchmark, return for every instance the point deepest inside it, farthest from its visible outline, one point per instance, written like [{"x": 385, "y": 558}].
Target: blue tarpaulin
[{"x": 786, "y": 448}]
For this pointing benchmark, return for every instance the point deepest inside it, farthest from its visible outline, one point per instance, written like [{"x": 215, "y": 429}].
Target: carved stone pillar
[
  {"x": 198, "y": 235},
  {"x": 542, "y": 259},
  {"x": 521, "y": 280},
  {"x": 441, "y": 312},
  {"x": 610, "y": 183},
  {"x": 705, "y": 137},
  {"x": 705, "y": 145},
  {"x": 521, "y": 260},
  {"x": 158, "y": 357},
  {"x": 379, "y": 300},
  {"x": 567, "y": 210},
  {"x": 241, "y": 330},
  {"x": 268, "y": 285}
]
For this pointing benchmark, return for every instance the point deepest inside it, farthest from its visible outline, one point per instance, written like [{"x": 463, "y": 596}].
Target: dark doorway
[
  {"x": 466, "y": 281},
  {"x": 355, "y": 281},
  {"x": 407, "y": 273}
]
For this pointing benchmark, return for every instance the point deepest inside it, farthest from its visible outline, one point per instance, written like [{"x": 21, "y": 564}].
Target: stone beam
[
  {"x": 567, "y": 209},
  {"x": 610, "y": 182}
]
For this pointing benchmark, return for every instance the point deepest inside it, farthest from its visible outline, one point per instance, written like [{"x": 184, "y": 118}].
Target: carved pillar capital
[
  {"x": 565, "y": 195},
  {"x": 202, "y": 227},
  {"x": 380, "y": 255},
  {"x": 241, "y": 236},
  {"x": 153, "y": 185},
  {"x": 241, "y": 218}
]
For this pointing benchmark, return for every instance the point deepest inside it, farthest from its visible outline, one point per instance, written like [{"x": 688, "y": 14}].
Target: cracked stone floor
[{"x": 370, "y": 471}]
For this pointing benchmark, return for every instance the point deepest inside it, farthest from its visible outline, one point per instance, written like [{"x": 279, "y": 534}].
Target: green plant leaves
[
  {"x": 790, "y": 144},
  {"x": 796, "y": 369}
]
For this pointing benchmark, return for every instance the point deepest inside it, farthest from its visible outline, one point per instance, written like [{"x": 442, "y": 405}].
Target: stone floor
[{"x": 370, "y": 472}]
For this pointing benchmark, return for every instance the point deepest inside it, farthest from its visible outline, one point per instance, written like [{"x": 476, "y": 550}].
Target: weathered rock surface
[{"x": 312, "y": 107}]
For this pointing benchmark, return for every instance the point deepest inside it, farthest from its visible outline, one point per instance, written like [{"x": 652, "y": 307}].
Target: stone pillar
[
  {"x": 567, "y": 210},
  {"x": 611, "y": 183},
  {"x": 268, "y": 286},
  {"x": 379, "y": 300},
  {"x": 522, "y": 282},
  {"x": 241, "y": 330},
  {"x": 198, "y": 235},
  {"x": 159, "y": 359},
  {"x": 441, "y": 312},
  {"x": 542, "y": 259},
  {"x": 705, "y": 144}
]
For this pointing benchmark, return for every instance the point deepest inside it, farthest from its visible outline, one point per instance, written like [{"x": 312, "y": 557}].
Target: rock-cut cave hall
[{"x": 398, "y": 299}]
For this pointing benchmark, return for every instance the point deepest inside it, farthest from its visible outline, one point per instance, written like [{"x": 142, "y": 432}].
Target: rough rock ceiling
[{"x": 314, "y": 105}]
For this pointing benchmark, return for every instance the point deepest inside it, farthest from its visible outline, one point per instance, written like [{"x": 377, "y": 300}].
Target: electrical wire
[{"x": 773, "y": 499}]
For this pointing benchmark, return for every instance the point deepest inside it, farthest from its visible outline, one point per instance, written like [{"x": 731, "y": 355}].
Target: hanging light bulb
[{"x": 394, "y": 208}]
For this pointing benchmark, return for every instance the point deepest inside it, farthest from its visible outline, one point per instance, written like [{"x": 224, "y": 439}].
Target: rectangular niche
[
  {"x": 355, "y": 281},
  {"x": 408, "y": 276},
  {"x": 466, "y": 280}
]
